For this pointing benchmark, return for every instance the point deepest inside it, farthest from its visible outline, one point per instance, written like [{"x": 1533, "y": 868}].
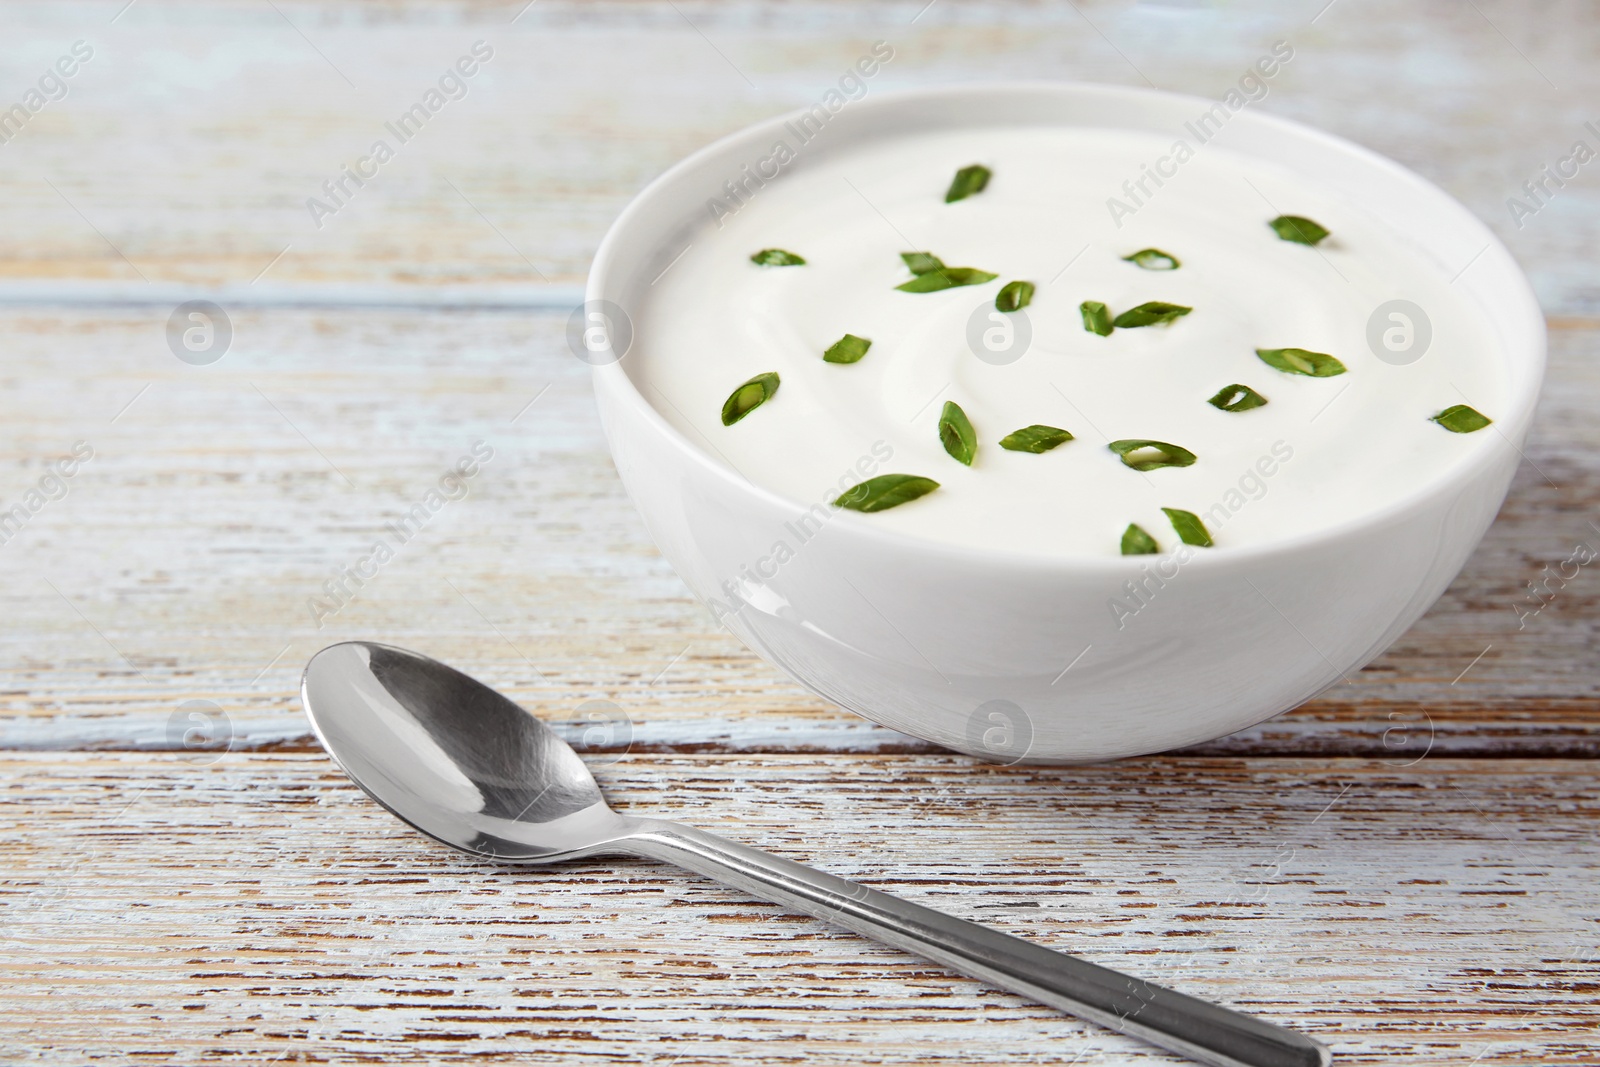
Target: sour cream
[{"x": 1064, "y": 206}]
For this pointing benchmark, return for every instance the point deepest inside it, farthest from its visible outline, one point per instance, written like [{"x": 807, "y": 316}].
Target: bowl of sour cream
[{"x": 1059, "y": 422}]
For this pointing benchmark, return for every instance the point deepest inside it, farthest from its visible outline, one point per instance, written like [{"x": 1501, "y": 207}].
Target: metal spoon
[{"x": 468, "y": 767}]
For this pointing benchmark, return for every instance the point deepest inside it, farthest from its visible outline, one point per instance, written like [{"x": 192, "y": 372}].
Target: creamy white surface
[{"x": 1359, "y": 440}]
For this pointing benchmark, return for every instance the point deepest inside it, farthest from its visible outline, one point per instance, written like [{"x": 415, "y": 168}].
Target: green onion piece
[
  {"x": 1462, "y": 419},
  {"x": 776, "y": 257},
  {"x": 847, "y": 349},
  {"x": 1301, "y": 231},
  {"x": 1153, "y": 259},
  {"x": 1096, "y": 317},
  {"x": 1237, "y": 398},
  {"x": 1190, "y": 529},
  {"x": 1014, "y": 296},
  {"x": 884, "y": 492},
  {"x": 1151, "y": 455},
  {"x": 946, "y": 278},
  {"x": 1035, "y": 438},
  {"x": 922, "y": 262},
  {"x": 1135, "y": 542},
  {"x": 957, "y": 434},
  {"x": 748, "y": 397},
  {"x": 1151, "y": 313},
  {"x": 967, "y": 182},
  {"x": 1301, "y": 361}
]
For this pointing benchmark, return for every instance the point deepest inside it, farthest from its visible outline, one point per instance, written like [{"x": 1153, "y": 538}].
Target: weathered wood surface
[
  {"x": 261, "y": 908},
  {"x": 181, "y": 563},
  {"x": 160, "y": 905},
  {"x": 187, "y": 147}
]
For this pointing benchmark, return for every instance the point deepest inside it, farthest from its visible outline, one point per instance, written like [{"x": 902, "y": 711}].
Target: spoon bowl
[
  {"x": 471, "y": 769},
  {"x": 454, "y": 758}
]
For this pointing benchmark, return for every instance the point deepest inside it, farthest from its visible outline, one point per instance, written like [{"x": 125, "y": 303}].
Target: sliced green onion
[
  {"x": 1096, "y": 317},
  {"x": 1237, "y": 398},
  {"x": 957, "y": 434},
  {"x": 1135, "y": 542},
  {"x": 922, "y": 262},
  {"x": 946, "y": 278},
  {"x": 968, "y": 182},
  {"x": 1014, "y": 296},
  {"x": 1462, "y": 419},
  {"x": 1300, "y": 230},
  {"x": 1035, "y": 438},
  {"x": 776, "y": 257},
  {"x": 1301, "y": 361},
  {"x": 748, "y": 397},
  {"x": 1151, "y": 313},
  {"x": 1191, "y": 531},
  {"x": 1151, "y": 455},
  {"x": 847, "y": 349},
  {"x": 885, "y": 491},
  {"x": 1153, "y": 259}
]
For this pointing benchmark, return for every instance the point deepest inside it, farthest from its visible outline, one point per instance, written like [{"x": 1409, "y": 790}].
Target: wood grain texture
[
  {"x": 262, "y": 907},
  {"x": 181, "y": 563},
  {"x": 242, "y": 902},
  {"x": 188, "y": 146}
]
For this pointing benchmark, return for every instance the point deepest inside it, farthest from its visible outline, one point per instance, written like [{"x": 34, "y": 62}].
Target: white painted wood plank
[
  {"x": 186, "y": 149},
  {"x": 214, "y": 509},
  {"x": 262, "y": 907}
]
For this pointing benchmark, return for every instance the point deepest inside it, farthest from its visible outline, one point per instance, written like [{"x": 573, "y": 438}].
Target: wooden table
[{"x": 1405, "y": 867}]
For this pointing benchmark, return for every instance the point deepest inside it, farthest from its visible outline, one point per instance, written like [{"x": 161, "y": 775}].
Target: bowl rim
[{"x": 1524, "y": 395}]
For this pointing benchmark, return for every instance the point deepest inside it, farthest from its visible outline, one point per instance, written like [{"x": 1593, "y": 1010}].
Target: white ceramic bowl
[{"x": 967, "y": 648}]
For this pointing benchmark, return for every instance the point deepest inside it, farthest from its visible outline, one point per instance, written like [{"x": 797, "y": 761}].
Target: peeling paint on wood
[
  {"x": 216, "y": 507},
  {"x": 161, "y": 904},
  {"x": 262, "y": 906}
]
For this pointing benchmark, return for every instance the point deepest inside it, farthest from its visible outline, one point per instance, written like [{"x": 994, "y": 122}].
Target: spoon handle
[{"x": 1194, "y": 1028}]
